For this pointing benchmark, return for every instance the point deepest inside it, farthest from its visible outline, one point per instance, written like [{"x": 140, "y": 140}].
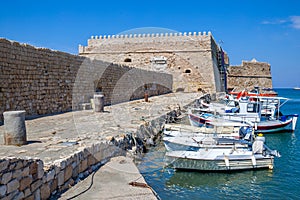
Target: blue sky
[{"x": 268, "y": 31}]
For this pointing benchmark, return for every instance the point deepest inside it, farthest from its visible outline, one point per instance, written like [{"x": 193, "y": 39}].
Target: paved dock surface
[
  {"x": 55, "y": 137},
  {"x": 112, "y": 182}
]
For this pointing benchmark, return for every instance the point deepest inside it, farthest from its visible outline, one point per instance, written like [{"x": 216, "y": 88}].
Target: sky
[{"x": 266, "y": 30}]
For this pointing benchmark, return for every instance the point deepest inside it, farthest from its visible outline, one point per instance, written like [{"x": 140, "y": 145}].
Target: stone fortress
[
  {"x": 248, "y": 75},
  {"x": 195, "y": 60}
]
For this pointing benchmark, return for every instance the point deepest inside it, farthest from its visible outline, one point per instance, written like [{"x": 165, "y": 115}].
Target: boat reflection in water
[
  {"x": 226, "y": 185},
  {"x": 188, "y": 179}
]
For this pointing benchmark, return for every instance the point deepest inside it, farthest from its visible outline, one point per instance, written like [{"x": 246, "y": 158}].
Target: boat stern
[{"x": 295, "y": 118}]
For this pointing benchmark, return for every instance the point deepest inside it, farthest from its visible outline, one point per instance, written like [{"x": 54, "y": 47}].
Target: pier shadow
[{"x": 33, "y": 142}]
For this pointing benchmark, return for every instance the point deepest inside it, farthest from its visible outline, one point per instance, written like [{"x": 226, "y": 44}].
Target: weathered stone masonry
[
  {"x": 248, "y": 75},
  {"x": 192, "y": 58},
  {"x": 28, "y": 178},
  {"x": 42, "y": 81}
]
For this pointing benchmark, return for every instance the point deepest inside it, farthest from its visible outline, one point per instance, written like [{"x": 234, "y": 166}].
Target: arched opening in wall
[
  {"x": 127, "y": 60},
  {"x": 187, "y": 71},
  {"x": 98, "y": 89}
]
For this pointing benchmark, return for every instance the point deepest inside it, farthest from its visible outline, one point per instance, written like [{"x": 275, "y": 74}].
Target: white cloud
[
  {"x": 295, "y": 20},
  {"x": 279, "y": 21}
]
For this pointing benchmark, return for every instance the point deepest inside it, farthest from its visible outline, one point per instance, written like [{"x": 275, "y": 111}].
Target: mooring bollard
[
  {"x": 146, "y": 97},
  {"x": 99, "y": 103},
  {"x": 15, "y": 129}
]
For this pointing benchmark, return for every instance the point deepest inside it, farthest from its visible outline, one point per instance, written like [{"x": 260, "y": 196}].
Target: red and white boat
[
  {"x": 253, "y": 93},
  {"x": 250, "y": 112}
]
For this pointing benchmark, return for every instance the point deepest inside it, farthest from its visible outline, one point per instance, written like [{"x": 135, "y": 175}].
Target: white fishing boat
[
  {"x": 250, "y": 111},
  {"x": 186, "y": 137},
  {"x": 235, "y": 111},
  {"x": 223, "y": 159},
  {"x": 232, "y": 129},
  {"x": 203, "y": 141}
]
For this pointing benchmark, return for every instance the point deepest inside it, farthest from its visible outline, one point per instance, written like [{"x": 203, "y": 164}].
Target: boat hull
[
  {"x": 196, "y": 143},
  {"x": 268, "y": 126},
  {"x": 199, "y": 121},
  {"x": 278, "y": 125},
  {"x": 220, "y": 163}
]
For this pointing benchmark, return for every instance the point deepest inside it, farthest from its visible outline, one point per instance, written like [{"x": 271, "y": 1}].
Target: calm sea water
[{"x": 283, "y": 182}]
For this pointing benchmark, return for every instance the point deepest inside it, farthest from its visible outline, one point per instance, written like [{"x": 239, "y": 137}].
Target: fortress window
[
  {"x": 187, "y": 71},
  {"x": 127, "y": 60},
  {"x": 98, "y": 89}
]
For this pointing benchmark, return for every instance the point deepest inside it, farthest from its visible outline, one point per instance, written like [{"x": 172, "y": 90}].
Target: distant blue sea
[{"x": 283, "y": 182}]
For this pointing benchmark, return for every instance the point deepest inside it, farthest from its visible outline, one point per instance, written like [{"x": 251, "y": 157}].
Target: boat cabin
[{"x": 243, "y": 110}]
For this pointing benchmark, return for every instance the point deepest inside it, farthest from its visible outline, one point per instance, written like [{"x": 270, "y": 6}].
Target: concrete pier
[{"x": 64, "y": 149}]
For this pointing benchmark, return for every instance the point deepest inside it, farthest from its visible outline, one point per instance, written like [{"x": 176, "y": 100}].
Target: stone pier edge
[{"x": 29, "y": 178}]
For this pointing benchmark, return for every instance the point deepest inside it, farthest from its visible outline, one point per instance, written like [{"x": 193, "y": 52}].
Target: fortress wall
[
  {"x": 42, "y": 81},
  {"x": 215, "y": 63},
  {"x": 188, "y": 56},
  {"x": 36, "y": 79},
  {"x": 248, "y": 75}
]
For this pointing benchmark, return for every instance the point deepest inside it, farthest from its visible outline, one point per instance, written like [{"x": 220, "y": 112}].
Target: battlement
[
  {"x": 152, "y": 35},
  {"x": 121, "y": 43}
]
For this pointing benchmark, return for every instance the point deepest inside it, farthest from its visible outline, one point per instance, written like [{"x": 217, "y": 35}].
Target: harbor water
[{"x": 283, "y": 182}]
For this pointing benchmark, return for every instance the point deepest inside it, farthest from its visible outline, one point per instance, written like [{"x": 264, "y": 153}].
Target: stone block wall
[
  {"x": 42, "y": 81},
  {"x": 248, "y": 75},
  {"x": 27, "y": 178},
  {"x": 21, "y": 178},
  {"x": 35, "y": 79}
]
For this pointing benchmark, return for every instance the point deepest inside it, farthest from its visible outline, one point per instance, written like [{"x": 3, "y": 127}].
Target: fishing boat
[
  {"x": 185, "y": 137},
  {"x": 284, "y": 123},
  {"x": 204, "y": 141},
  {"x": 232, "y": 129},
  {"x": 235, "y": 111},
  {"x": 250, "y": 111},
  {"x": 224, "y": 159}
]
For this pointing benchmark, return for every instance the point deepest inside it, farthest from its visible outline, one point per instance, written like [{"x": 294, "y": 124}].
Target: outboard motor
[
  {"x": 258, "y": 144},
  {"x": 260, "y": 137},
  {"x": 245, "y": 132}
]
